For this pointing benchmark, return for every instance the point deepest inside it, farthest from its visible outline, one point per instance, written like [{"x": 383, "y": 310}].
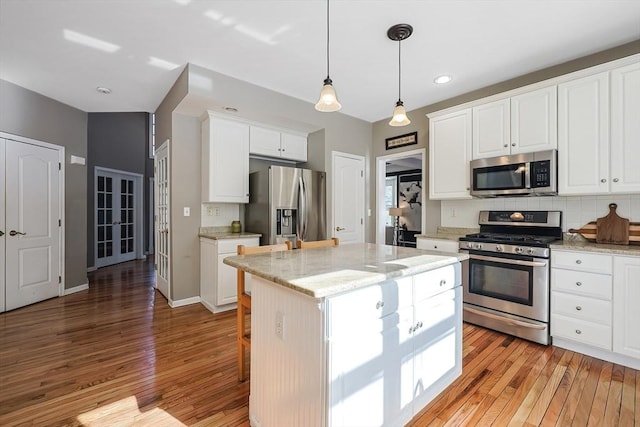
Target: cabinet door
[
  {"x": 583, "y": 135},
  {"x": 491, "y": 129},
  {"x": 449, "y": 155},
  {"x": 437, "y": 343},
  {"x": 534, "y": 121},
  {"x": 626, "y": 300},
  {"x": 625, "y": 129},
  {"x": 226, "y": 291},
  {"x": 225, "y": 161},
  {"x": 264, "y": 142},
  {"x": 293, "y": 147}
]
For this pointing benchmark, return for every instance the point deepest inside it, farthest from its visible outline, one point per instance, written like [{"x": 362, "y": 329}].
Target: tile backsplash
[
  {"x": 576, "y": 210},
  {"x": 218, "y": 214}
]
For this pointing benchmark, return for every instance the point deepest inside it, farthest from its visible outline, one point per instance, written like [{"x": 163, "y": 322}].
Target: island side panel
[{"x": 287, "y": 357}]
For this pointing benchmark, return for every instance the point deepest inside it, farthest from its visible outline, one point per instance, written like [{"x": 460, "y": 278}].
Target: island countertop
[{"x": 323, "y": 272}]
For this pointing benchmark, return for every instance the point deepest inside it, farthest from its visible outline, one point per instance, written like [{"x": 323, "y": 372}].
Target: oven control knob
[
  {"x": 499, "y": 248},
  {"x": 519, "y": 250},
  {"x": 530, "y": 251},
  {"x": 478, "y": 245},
  {"x": 470, "y": 245}
]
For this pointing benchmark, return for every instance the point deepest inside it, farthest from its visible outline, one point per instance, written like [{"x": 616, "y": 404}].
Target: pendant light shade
[
  {"x": 328, "y": 101},
  {"x": 398, "y": 33}
]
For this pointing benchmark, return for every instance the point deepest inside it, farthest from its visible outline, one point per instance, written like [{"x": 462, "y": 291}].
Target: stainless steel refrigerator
[{"x": 287, "y": 204}]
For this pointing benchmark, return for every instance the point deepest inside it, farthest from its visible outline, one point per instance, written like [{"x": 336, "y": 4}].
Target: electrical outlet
[
  {"x": 209, "y": 210},
  {"x": 216, "y": 211},
  {"x": 453, "y": 212},
  {"x": 280, "y": 325}
]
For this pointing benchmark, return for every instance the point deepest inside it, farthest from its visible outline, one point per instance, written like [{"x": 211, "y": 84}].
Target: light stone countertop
[
  {"x": 217, "y": 233},
  {"x": 587, "y": 246},
  {"x": 449, "y": 233},
  {"x": 324, "y": 272}
]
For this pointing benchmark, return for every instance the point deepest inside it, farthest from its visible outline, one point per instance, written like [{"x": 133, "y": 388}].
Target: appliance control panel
[{"x": 506, "y": 249}]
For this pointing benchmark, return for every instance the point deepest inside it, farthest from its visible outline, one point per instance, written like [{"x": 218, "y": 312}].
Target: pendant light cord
[
  {"x": 399, "y": 68},
  {"x": 327, "y": 39}
]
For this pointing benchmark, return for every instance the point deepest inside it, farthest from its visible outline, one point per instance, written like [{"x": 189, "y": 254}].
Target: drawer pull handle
[
  {"x": 578, "y": 331},
  {"x": 379, "y": 305},
  {"x": 578, "y": 261},
  {"x": 578, "y": 308},
  {"x": 443, "y": 282},
  {"x": 578, "y": 283}
]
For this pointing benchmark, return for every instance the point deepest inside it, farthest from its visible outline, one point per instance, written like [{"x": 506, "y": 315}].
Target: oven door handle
[
  {"x": 509, "y": 261},
  {"x": 505, "y": 319}
]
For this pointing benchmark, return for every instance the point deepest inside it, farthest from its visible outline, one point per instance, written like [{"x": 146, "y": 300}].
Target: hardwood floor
[{"x": 118, "y": 355}]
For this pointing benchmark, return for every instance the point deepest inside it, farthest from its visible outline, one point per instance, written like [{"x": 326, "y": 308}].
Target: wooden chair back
[
  {"x": 244, "y": 303},
  {"x": 334, "y": 241}
]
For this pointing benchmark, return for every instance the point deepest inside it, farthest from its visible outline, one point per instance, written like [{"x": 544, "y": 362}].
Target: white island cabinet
[{"x": 353, "y": 335}]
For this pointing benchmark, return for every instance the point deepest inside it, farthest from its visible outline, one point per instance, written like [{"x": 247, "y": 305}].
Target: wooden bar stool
[
  {"x": 319, "y": 243},
  {"x": 244, "y": 303}
]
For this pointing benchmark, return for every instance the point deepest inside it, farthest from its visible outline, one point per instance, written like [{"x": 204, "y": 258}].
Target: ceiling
[{"x": 139, "y": 47}]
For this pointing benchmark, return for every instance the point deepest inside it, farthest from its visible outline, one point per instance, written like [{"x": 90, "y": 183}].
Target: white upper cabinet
[
  {"x": 534, "y": 121},
  {"x": 225, "y": 160},
  {"x": 524, "y": 123},
  {"x": 293, "y": 146},
  {"x": 583, "y": 135},
  {"x": 625, "y": 129},
  {"x": 274, "y": 143},
  {"x": 491, "y": 129},
  {"x": 449, "y": 155}
]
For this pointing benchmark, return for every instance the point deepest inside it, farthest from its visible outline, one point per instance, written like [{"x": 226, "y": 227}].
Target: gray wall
[
  {"x": 117, "y": 141},
  {"x": 29, "y": 114},
  {"x": 420, "y": 123}
]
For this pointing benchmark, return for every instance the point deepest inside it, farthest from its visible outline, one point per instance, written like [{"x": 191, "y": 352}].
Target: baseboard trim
[
  {"x": 75, "y": 289},
  {"x": 598, "y": 353},
  {"x": 183, "y": 302},
  {"x": 92, "y": 268}
]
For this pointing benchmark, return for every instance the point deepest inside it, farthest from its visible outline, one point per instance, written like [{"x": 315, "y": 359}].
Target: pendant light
[
  {"x": 398, "y": 33},
  {"x": 328, "y": 101}
]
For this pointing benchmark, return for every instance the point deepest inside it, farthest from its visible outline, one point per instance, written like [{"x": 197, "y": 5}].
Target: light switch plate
[{"x": 187, "y": 211}]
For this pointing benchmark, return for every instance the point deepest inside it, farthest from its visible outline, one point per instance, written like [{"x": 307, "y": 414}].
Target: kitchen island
[{"x": 357, "y": 334}]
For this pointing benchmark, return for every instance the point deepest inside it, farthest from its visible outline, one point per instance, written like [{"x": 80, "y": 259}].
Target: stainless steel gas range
[{"x": 506, "y": 282}]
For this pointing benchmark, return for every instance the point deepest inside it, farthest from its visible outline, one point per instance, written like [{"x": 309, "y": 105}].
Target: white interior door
[
  {"x": 33, "y": 221},
  {"x": 161, "y": 209},
  {"x": 3, "y": 229},
  {"x": 348, "y": 198},
  {"x": 116, "y": 214}
]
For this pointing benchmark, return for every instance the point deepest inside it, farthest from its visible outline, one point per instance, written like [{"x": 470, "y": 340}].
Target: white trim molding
[
  {"x": 75, "y": 289},
  {"x": 183, "y": 302}
]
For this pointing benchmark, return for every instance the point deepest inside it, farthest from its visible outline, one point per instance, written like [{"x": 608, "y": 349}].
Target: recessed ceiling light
[
  {"x": 104, "y": 90},
  {"x": 230, "y": 109},
  {"x": 440, "y": 80}
]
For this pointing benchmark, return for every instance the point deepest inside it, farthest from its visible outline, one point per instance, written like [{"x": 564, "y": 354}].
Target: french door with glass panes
[{"x": 116, "y": 213}]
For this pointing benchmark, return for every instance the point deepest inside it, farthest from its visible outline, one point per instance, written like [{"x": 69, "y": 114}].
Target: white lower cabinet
[
  {"x": 218, "y": 281},
  {"x": 369, "y": 357},
  {"x": 439, "y": 245},
  {"x": 594, "y": 305},
  {"x": 626, "y": 306}
]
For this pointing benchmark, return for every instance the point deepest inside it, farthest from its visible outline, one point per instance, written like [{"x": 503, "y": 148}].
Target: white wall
[{"x": 576, "y": 211}]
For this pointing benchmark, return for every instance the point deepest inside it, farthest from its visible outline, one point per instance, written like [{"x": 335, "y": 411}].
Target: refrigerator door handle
[{"x": 302, "y": 210}]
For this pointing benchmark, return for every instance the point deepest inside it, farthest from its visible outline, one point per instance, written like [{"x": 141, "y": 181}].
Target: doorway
[
  {"x": 118, "y": 216},
  {"x": 400, "y": 184}
]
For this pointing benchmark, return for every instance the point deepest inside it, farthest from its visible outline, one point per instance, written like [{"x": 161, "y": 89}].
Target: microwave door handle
[
  {"x": 527, "y": 175},
  {"x": 509, "y": 261}
]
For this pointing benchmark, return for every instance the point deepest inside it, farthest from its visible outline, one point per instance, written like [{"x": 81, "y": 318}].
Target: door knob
[
  {"x": 14, "y": 233},
  {"x": 339, "y": 228}
]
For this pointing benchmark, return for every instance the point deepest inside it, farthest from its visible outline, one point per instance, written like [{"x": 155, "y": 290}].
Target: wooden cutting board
[{"x": 612, "y": 228}]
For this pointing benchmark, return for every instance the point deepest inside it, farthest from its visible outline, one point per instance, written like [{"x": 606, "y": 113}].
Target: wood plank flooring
[{"x": 118, "y": 355}]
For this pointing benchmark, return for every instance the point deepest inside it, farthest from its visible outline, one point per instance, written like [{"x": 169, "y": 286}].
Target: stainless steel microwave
[{"x": 516, "y": 175}]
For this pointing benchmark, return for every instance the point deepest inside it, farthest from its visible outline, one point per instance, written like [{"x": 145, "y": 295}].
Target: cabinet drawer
[
  {"x": 230, "y": 246},
  {"x": 437, "y": 245},
  {"x": 435, "y": 281},
  {"x": 371, "y": 302},
  {"x": 578, "y": 282},
  {"x": 581, "y": 331},
  {"x": 579, "y": 307},
  {"x": 582, "y": 261}
]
